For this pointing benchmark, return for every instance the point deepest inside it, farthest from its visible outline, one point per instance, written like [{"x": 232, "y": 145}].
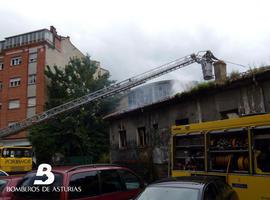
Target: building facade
[
  {"x": 23, "y": 59},
  {"x": 141, "y": 136},
  {"x": 99, "y": 71}
]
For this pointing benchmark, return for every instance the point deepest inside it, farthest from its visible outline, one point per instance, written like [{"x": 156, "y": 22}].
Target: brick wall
[{"x": 20, "y": 92}]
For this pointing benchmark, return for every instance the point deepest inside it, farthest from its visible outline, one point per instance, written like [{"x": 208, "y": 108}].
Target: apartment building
[{"x": 23, "y": 59}]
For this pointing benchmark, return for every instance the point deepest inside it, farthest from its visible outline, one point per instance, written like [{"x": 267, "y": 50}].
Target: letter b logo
[{"x": 44, "y": 170}]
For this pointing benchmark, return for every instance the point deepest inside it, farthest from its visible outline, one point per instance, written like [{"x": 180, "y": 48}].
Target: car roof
[
  {"x": 196, "y": 182},
  {"x": 190, "y": 185},
  {"x": 11, "y": 177},
  {"x": 65, "y": 169}
]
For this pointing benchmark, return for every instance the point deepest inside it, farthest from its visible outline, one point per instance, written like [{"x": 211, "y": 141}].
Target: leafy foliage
[
  {"x": 82, "y": 132},
  {"x": 234, "y": 75}
]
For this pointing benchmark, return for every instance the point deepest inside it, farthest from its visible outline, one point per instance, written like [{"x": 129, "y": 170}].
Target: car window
[
  {"x": 210, "y": 192},
  {"x": 36, "y": 191},
  {"x": 171, "y": 193},
  {"x": 223, "y": 190},
  {"x": 87, "y": 181},
  {"x": 2, "y": 185},
  {"x": 130, "y": 180},
  {"x": 110, "y": 181},
  {"x": 17, "y": 153}
]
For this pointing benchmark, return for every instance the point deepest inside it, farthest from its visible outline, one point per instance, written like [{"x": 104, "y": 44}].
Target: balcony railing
[{"x": 27, "y": 38}]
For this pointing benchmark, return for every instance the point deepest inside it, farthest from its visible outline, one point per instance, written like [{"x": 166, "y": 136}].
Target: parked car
[
  {"x": 3, "y": 173},
  {"x": 8, "y": 181},
  {"x": 189, "y": 188},
  {"x": 97, "y": 182}
]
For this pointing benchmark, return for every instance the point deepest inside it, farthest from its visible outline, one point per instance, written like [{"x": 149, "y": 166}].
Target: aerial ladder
[{"x": 205, "y": 58}]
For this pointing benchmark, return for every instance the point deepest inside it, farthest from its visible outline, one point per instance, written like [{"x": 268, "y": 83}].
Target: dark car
[
  {"x": 95, "y": 182},
  {"x": 3, "y": 173},
  {"x": 189, "y": 188},
  {"x": 5, "y": 182}
]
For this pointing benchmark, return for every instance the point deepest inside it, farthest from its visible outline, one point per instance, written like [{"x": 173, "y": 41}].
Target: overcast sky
[{"x": 129, "y": 37}]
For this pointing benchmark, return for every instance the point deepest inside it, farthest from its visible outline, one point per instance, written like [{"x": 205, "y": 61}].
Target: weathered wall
[
  {"x": 61, "y": 56},
  {"x": 251, "y": 98}
]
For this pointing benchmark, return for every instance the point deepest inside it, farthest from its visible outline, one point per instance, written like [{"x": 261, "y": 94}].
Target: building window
[
  {"x": 16, "y": 61},
  {"x": 14, "y": 82},
  {"x": 31, "y": 102},
  {"x": 183, "y": 121},
  {"x": 33, "y": 57},
  {"x": 8, "y": 43},
  {"x": 1, "y": 65},
  {"x": 122, "y": 139},
  {"x": 155, "y": 126},
  {"x": 32, "y": 79},
  {"x": 1, "y": 85},
  {"x": 40, "y": 35},
  {"x": 16, "y": 41},
  {"x": 24, "y": 39},
  {"x": 141, "y": 138},
  {"x": 13, "y": 104},
  {"x": 229, "y": 114}
]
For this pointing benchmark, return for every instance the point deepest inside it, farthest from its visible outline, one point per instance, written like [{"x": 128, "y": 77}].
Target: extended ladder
[{"x": 205, "y": 60}]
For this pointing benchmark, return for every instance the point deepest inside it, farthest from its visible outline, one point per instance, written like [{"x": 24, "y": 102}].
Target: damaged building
[{"x": 140, "y": 136}]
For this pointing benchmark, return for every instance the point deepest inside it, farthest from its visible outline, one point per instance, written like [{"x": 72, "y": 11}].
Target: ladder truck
[{"x": 204, "y": 58}]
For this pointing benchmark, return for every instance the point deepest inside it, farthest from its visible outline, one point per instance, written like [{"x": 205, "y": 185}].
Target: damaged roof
[{"x": 234, "y": 80}]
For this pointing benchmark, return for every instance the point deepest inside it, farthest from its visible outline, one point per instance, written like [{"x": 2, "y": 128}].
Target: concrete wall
[
  {"x": 61, "y": 57},
  {"x": 246, "y": 99}
]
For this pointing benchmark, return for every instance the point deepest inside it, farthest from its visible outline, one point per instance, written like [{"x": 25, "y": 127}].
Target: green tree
[{"x": 81, "y": 132}]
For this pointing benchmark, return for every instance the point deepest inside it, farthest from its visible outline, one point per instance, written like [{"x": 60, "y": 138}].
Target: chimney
[
  {"x": 53, "y": 30},
  {"x": 220, "y": 71}
]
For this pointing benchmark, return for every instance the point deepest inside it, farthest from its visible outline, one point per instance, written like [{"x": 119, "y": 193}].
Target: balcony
[{"x": 27, "y": 38}]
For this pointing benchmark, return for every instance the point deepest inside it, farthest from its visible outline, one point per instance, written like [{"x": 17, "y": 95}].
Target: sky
[{"x": 130, "y": 37}]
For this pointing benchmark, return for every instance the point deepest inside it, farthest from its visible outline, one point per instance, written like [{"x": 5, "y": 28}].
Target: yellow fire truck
[
  {"x": 236, "y": 149},
  {"x": 15, "y": 159}
]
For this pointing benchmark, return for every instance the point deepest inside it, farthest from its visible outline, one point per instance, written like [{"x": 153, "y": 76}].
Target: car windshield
[
  {"x": 2, "y": 185},
  {"x": 169, "y": 193}
]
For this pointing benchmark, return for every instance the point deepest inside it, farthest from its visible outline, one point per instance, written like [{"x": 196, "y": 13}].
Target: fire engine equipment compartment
[{"x": 261, "y": 137}]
